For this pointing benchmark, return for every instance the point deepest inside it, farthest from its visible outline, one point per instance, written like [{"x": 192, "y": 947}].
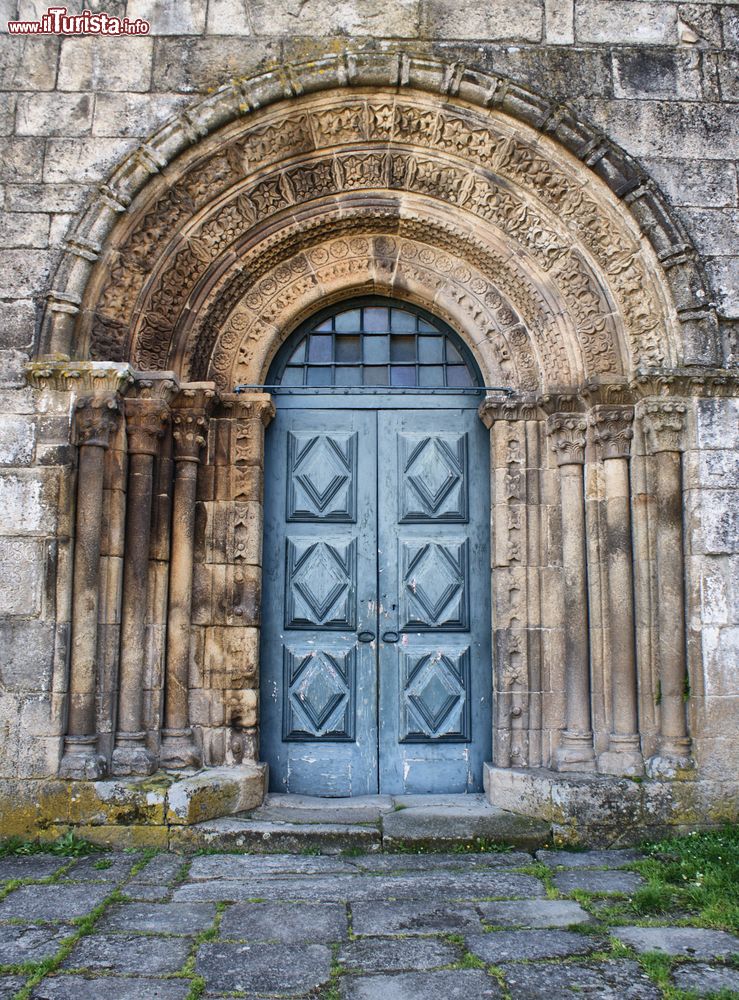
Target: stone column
[
  {"x": 190, "y": 423},
  {"x": 146, "y": 418},
  {"x": 514, "y": 444},
  {"x": 664, "y": 421},
  {"x": 567, "y": 433},
  {"x": 96, "y": 418},
  {"x": 612, "y": 434}
]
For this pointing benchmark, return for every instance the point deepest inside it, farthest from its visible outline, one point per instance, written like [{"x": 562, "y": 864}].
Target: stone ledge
[
  {"x": 600, "y": 810},
  {"x": 135, "y": 807}
]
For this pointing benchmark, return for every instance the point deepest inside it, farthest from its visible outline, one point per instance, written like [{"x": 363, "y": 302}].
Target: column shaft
[
  {"x": 575, "y": 752},
  {"x": 96, "y": 418}
]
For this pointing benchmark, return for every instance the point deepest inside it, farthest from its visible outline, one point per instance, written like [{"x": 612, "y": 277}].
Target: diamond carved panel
[
  {"x": 321, "y": 476},
  {"x": 433, "y": 484},
  {"x": 321, "y": 584},
  {"x": 434, "y": 586},
  {"x": 435, "y": 697},
  {"x": 320, "y": 695}
]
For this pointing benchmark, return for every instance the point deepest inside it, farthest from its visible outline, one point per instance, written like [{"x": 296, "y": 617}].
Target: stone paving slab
[
  {"x": 9, "y": 986},
  {"x": 33, "y": 866},
  {"x": 450, "y": 984},
  {"x": 146, "y": 893},
  {"x": 159, "y": 918},
  {"x": 334, "y": 888},
  {"x": 421, "y": 917},
  {"x": 290, "y": 923},
  {"x": 434, "y": 862},
  {"x": 610, "y": 980},
  {"x": 505, "y": 946},
  {"x": 391, "y": 955},
  {"x": 132, "y": 953},
  {"x": 695, "y": 942},
  {"x": 705, "y": 979},
  {"x": 110, "y": 988},
  {"x": 29, "y": 943},
  {"x": 234, "y": 833},
  {"x": 624, "y": 883},
  {"x": 235, "y": 866},
  {"x": 534, "y": 913},
  {"x": 161, "y": 868},
  {"x": 101, "y": 868},
  {"x": 269, "y": 968},
  {"x": 588, "y": 859},
  {"x": 61, "y": 903},
  {"x": 461, "y": 821}
]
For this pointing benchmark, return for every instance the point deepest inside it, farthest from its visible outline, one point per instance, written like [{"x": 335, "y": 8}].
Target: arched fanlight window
[{"x": 375, "y": 342}]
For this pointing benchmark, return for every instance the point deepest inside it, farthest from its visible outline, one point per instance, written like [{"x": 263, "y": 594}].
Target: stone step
[{"x": 295, "y": 824}]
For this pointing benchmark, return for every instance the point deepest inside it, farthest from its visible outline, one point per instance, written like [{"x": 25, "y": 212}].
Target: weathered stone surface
[
  {"x": 311, "y": 809},
  {"x": 248, "y": 835},
  {"x": 164, "y": 918},
  {"x": 245, "y": 866},
  {"x": 192, "y": 64},
  {"x": 534, "y": 913},
  {"x": 394, "y": 19},
  {"x": 188, "y": 18},
  {"x": 380, "y": 955},
  {"x": 595, "y": 881},
  {"x": 435, "y": 862},
  {"x": 332, "y": 888},
  {"x": 216, "y": 792},
  {"x": 102, "y": 868},
  {"x": 135, "y": 954},
  {"x": 289, "y": 923},
  {"x": 696, "y": 942},
  {"x": 24, "y": 943},
  {"x": 33, "y": 866},
  {"x": 484, "y": 22},
  {"x": 469, "y": 984},
  {"x": 709, "y": 183},
  {"x": 265, "y": 967},
  {"x": 455, "y": 821},
  {"x": 96, "y": 64},
  {"x": 625, "y": 23},
  {"x": 504, "y": 946},
  {"x": 110, "y": 988},
  {"x": 54, "y": 114},
  {"x": 422, "y": 917},
  {"x": 9, "y": 986},
  {"x": 52, "y": 902},
  {"x": 705, "y": 979},
  {"x": 587, "y": 859},
  {"x": 641, "y": 74},
  {"x": 561, "y": 981},
  {"x": 161, "y": 868}
]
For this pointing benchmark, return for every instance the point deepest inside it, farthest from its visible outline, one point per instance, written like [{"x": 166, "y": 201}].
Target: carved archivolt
[{"x": 477, "y": 216}]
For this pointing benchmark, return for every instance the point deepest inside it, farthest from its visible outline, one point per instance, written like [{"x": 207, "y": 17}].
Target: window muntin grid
[{"x": 375, "y": 345}]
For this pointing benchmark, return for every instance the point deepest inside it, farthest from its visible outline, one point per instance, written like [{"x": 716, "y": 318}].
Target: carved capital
[
  {"x": 243, "y": 406},
  {"x": 612, "y": 430},
  {"x": 190, "y": 412},
  {"x": 62, "y": 375},
  {"x": 567, "y": 433},
  {"x": 96, "y": 418},
  {"x": 664, "y": 422},
  {"x": 146, "y": 421},
  {"x": 492, "y": 410}
]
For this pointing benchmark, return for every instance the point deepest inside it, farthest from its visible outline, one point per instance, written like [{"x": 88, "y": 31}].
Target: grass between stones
[{"x": 68, "y": 846}]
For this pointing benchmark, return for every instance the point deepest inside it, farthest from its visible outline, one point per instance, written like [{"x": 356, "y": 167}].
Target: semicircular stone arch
[{"x": 430, "y": 186}]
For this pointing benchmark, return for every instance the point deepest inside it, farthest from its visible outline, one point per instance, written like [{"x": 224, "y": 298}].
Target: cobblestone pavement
[{"x": 373, "y": 927}]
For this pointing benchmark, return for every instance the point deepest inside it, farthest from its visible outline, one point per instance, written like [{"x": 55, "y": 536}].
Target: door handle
[
  {"x": 366, "y": 636},
  {"x": 390, "y": 636}
]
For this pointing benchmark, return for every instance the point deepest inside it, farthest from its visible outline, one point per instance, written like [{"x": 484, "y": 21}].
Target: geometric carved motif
[
  {"x": 435, "y": 697},
  {"x": 321, "y": 477},
  {"x": 434, "y": 586},
  {"x": 319, "y": 703},
  {"x": 434, "y": 477},
  {"x": 320, "y": 584}
]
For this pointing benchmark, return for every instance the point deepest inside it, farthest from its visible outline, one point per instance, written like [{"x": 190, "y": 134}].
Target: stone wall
[{"x": 660, "y": 79}]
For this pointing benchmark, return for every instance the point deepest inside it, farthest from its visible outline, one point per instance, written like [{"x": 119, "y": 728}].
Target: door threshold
[{"x": 295, "y": 824}]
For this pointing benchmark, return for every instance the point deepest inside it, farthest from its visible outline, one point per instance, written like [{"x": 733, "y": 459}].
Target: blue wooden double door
[{"x": 376, "y": 659}]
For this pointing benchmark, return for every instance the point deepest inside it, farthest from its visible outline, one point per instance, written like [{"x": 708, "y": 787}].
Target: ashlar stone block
[
  {"x": 521, "y": 21},
  {"x": 625, "y": 22},
  {"x": 21, "y": 570},
  {"x": 106, "y": 64},
  {"x": 187, "y": 17},
  {"x": 54, "y": 114}
]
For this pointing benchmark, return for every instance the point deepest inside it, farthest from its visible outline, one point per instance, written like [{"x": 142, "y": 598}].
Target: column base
[
  {"x": 670, "y": 763},
  {"x": 81, "y": 760},
  {"x": 131, "y": 757},
  {"x": 575, "y": 753},
  {"x": 623, "y": 756},
  {"x": 178, "y": 749}
]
